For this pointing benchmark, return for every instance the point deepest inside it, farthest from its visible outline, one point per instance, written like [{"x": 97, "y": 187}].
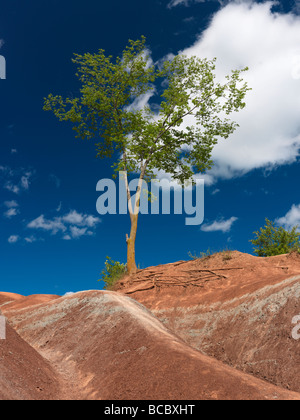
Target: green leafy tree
[
  {"x": 275, "y": 240},
  {"x": 113, "y": 271},
  {"x": 142, "y": 139}
]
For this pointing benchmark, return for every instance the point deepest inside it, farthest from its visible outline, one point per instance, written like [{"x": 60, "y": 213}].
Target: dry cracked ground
[{"x": 216, "y": 328}]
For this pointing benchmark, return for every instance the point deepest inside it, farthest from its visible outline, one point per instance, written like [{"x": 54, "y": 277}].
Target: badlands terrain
[{"x": 215, "y": 328}]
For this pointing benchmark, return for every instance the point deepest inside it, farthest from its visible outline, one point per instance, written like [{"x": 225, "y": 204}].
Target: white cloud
[
  {"x": 219, "y": 225},
  {"x": 77, "y": 232},
  {"x": 291, "y": 219},
  {"x": 12, "y": 207},
  {"x": 13, "y": 239},
  {"x": 75, "y": 218},
  {"x": 52, "y": 226},
  {"x": 91, "y": 221},
  {"x": 31, "y": 239},
  {"x": 297, "y": 6},
  {"x": 11, "y": 187},
  {"x": 10, "y": 204},
  {"x": 248, "y": 34},
  {"x": 139, "y": 103},
  {"x": 11, "y": 212},
  {"x": 174, "y": 3},
  {"x": 162, "y": 175},
  {"x": 73, "y": 225},
  {"x": 25, "y": 181},
  {"x": 68, "y": 294},
  {"x": 16, "y": 180},
  {"x": 58, "y": 209},
  {"x": 215, "y": 191}
]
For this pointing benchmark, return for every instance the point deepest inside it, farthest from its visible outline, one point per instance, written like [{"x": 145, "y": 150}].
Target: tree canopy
[
  {"x": 152, "y": 136},
  {"x": 174, "y": 134},
  {"x": 273, "y": 240}
]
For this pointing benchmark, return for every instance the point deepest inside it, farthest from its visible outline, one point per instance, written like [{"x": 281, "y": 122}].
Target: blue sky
[{"x": 52, "y": 239}]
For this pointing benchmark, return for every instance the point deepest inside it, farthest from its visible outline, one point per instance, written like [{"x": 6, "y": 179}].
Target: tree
[
  {"x": 151, "y": 137},
  {"x": 113, "y": 271},
  {"x": 271, "y": 240}
]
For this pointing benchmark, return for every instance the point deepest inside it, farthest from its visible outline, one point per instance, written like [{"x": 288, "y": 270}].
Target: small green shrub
[
  {"x": 205, "y": 254},
  {"x": 271, "y": 240},
  {"x": 113, "y": 271},
  {"x": 226, "y": 254}
]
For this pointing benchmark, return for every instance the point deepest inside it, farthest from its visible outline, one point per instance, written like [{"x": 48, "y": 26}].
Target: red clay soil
[
  {"x": 9, "y": 297},
  {"x": 233, "y": 307},
  {"x": 15, "y": 301},
  {"x": 24, "y": 373},
  {"x": 219, "y": 328},
  {"x": 104, "y": 345}
]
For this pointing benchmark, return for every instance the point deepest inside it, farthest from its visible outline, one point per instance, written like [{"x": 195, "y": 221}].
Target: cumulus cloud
[
  {"x": 55, "y": 225},
  {"x": 244, "y": 33},
  {"x": 219, "y": 225},
  {"x": 72, "y": 225},
  {"x": 291, "y": 219},
  {"x": 248, "y": 34},
  {"x": 75, "y": 218},
  {"x": 77, "y": 232}
]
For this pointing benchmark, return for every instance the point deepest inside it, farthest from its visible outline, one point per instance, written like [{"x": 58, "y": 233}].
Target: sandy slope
[
  {"x": 6, "y": 297},
  {"x": 24, "y": 373},
  {"x": 234, "y": 307},
  {"x": 104, "y": 345},
  {"x": 14, "y": 301}
]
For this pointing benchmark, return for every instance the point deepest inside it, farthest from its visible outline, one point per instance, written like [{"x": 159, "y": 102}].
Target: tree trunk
[
  {"x": 131, "y": 264},
  {"x": 134, "y": 213}
]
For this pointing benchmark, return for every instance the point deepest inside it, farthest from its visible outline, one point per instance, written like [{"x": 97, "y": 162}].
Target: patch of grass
[
  {"x": 201, "y": 255},
  {"x": 226, "y": 254},
  {"x": 295, "y": 250}
]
